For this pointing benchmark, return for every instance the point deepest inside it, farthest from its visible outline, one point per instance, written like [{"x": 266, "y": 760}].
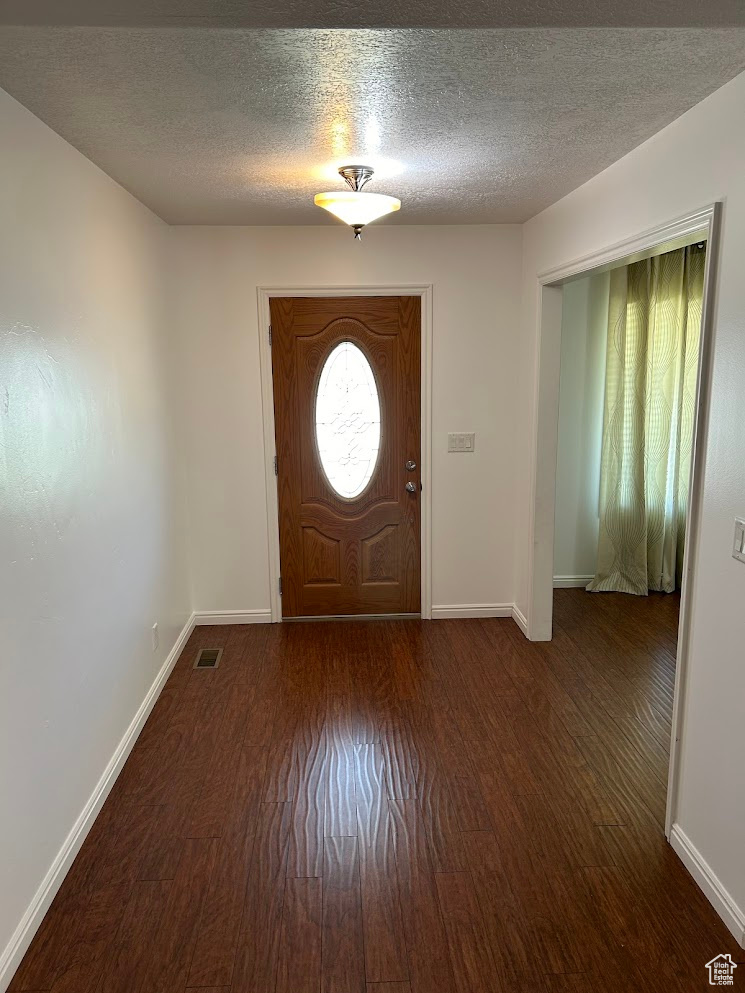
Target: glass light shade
[{"x": 357, "y": 209}]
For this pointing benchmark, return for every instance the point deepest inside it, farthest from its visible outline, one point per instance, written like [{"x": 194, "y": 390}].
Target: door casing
[
  {"x": 264, "y": 295},
  {"x": 705, "y": 223}
]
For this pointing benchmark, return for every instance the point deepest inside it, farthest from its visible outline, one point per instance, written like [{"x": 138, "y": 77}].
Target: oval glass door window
[{"x": 348, "y": 420}]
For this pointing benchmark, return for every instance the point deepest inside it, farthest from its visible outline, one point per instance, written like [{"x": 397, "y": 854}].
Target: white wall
[
  {"x": 475, "y": 272},
  {"x": 91, "y": 513},
  {"x": 584, "y": 334},
  {"x": 696, "y": 160}
]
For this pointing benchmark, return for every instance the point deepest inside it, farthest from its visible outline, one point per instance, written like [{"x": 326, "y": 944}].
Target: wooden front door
[{"x": 346, "y": 374}]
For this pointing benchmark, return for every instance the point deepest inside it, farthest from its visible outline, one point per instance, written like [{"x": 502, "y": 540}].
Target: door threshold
[{"x": 356, "y": 617}]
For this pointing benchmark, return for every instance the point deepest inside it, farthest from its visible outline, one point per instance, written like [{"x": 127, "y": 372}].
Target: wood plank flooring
[{"x": 395, "y": 807}]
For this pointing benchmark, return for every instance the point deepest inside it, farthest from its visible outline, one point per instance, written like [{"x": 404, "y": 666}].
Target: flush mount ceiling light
[{"x": 354, "y": 208}]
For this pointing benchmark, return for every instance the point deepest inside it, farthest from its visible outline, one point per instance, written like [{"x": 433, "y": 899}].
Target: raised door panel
[
  {"x": 380, "y": 556},
  {"x": 321, "y": 558}
]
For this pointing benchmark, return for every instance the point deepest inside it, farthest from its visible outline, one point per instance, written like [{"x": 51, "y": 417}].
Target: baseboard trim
[
  {"x": 471, "y": 610},
  {"x": 482, "y": 610},
  {"x": 707, "y": 881},
  {"x": 260, "y": 616},
  {"x": 570, "y": 582},
  {"x": 520, "y": 619},
  {"x": 16, "y": 948}
]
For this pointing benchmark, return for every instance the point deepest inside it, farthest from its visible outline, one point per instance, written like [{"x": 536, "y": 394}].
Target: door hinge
[
  {"x": 276, "y": 469},
  {"x": 270, "y": 336},
  {"x": 280, "y": 586}
]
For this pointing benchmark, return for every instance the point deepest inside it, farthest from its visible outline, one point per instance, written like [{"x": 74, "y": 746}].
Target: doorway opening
[
  {"x": 625, "y": 358},
  {"x": 346, "y": 387}
]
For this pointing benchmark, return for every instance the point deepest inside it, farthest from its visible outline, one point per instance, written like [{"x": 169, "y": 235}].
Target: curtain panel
[{"x": 654, "y": 328}]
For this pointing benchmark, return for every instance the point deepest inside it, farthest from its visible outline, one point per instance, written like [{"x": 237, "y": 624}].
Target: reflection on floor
[{"x": 370, "y": 807}]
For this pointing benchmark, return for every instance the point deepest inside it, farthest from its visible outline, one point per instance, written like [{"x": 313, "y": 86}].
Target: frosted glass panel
[{"x": 348, "y": 420}]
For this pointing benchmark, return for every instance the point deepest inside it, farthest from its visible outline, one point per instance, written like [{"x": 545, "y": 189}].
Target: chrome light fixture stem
[{"x": 356, "y": 175}]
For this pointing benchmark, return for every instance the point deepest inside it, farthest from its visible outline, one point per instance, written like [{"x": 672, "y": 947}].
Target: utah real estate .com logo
[{"x": 721, "y": 971}]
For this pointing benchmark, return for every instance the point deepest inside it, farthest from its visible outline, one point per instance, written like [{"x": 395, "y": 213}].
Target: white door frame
[
  {"x": 265, "y": 293},
  {"x": 705, "y": 223}
]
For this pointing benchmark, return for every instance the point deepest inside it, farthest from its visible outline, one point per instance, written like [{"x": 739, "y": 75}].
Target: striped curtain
[{"x": 654, "y": 326}]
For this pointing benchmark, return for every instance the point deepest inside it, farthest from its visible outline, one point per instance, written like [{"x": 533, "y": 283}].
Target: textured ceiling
[
  {"x": 377, "y": 13},
  {"x": 233, "y": 126}
]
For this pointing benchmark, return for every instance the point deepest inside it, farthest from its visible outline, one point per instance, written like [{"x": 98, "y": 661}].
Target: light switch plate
[
  {"x": 738, "y": 546},
  {"x": 461, "y": 442}
]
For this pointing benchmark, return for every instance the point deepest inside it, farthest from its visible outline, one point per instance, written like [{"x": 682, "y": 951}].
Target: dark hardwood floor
[{"x": 395, "y": 807}]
